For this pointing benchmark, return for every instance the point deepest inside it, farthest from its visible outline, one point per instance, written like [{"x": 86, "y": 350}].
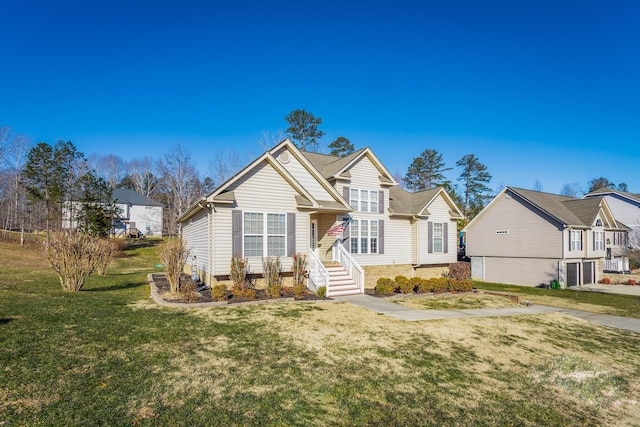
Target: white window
[
  {"x": 276, "y": 234},
  {"x": 253, "y": 234},
  {"x": 364, "y": 236},
  {"x": 576, "y": 240},
  {"x": 363, "y": 200},
  {"x": 437, "y": 237},
  {"x": 599, "y": 240}
]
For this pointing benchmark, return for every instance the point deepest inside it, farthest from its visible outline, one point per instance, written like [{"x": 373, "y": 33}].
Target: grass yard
[
  {"x": 108, "y": 356},
  {"x": 596, "y": 302},
  {"x": 453, "y": 302}
]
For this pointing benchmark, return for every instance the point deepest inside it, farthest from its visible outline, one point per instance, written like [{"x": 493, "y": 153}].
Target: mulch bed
[{"x": 162, "y": 284}]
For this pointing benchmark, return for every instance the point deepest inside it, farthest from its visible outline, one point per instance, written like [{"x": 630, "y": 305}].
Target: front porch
[
  {"x": 341, "y": 277},
  {"x": 617, "y": 265}
]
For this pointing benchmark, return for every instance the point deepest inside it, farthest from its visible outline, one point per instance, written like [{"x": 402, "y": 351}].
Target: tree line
[{"x": 37, "y": 180}]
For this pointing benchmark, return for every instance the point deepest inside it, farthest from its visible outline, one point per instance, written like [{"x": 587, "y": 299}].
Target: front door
[{"x": 313, "y": 236}]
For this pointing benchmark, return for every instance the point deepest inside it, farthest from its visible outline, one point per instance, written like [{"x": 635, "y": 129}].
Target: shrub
[
  {"x": 105, "y": 256},
  {"x": 322, "y": 292},
  {"x": 238, "y": 272},
  {"x": 73, "y": 256},
  {"x": 272, "y": 272},
  {"x": 299, "y": 269},
  {"x": 173, "y": 255},
  {"x": 632, "y": 282},
  {"x": 405, "y": 287},
  {"x": 384, "y": 286},
  {"x": 464, "y": 286},
  {"x": 219, "y": 292},
  {"x": 250, "y": 294},
  {"x": 415, "y": 282},
  {"x": 299, "y": 290},
  {"x": 605, "y": 281},
  {"x": 189, "y": 292},
  {"x": 425, "y": 286},
  {"x": 460, "y": 271},
  {"x": 554, "y": 284}
]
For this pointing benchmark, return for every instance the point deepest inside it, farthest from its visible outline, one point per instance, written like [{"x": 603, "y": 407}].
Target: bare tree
[
  {"x": 269, "y": 140},
  {"x": 223, "y": 166},
  {"x": 180, "y": 184},
  {"x": 537, "y": 185},
  {"x": 573, "y": 189},
  {"x": 16, "y": 201},
  {"x": 111, "y": 168},
  {"x": 142, "y": 176}
]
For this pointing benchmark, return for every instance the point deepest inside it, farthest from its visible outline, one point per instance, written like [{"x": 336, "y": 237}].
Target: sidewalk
[{"x": 379, "y": 305}]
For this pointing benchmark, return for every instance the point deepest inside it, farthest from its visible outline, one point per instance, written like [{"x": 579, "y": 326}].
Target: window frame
[
  {"x": 438, "y": 237},
  {"x": 265, "y": 235},
  {"x": 364, "y": 234},
  {"x": 575, "y": 244},
  {"x": 599, "y": 240},
  {"x": 360, "y": 197}
]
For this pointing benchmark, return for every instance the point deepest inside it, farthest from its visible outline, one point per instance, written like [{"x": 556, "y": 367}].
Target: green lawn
[
  {"x": 108, "y": 356},
  {"x": 618, "y": 305}
]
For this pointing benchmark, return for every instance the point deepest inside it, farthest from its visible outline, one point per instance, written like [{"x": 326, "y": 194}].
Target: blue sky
[{"x": 539, "y": 90}]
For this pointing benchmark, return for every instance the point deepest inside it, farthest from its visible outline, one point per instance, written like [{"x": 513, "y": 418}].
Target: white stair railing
[
  {"x": 350, "y": 265},
  {"x": 318, "y": 274}
]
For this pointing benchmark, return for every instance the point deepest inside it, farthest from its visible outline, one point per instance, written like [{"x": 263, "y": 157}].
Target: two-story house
[
  {"x": 347, "y": 211},
  {"x": 530, "y": 238}
]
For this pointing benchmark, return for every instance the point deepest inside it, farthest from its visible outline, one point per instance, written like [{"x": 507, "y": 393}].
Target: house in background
[
  {"x": 345, "y": 213},
  {"x": 626, "y": 208},
  {"x": 530, "y": 238},
  {"x": 136, "y": 213}
]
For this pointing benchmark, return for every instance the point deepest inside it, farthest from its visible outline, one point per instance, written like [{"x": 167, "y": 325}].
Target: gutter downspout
[
  {"x": 561, "y": 262},
  {"x": 209, "y": 243}
]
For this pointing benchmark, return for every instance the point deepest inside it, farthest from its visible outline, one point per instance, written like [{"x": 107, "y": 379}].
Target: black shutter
[
  {"x": 381, "y": 201},
  {"x": 236, "y": 233},
  {"x": 445, "y": 238},
  {"x": 430, "y": 237},
  {"x": 291, "y": 234},
  {"x": 381, "y": 237}
]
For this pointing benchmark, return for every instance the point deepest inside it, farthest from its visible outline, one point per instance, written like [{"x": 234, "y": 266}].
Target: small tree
[
  {"x": 173, "y": 255},
  {"x": 74, "y": 256}
]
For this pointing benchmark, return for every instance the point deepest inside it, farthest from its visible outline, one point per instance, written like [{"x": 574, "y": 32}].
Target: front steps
[{"x": 340, "y": 284}]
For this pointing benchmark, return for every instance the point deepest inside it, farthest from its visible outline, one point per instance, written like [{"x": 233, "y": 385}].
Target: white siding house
[{"x": 347, "y": 210}]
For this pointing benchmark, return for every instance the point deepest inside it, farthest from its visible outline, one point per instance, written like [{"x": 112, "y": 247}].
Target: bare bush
[
  {"x": 73, "y": 256},
  {"x": 299, "y": 269},
  {"x": 105, "y": 256},
  {"x": 459, "y": 271},
  {"x": 173, "y": 255},
  {"x": 272, "y": 272},
  {"x": 238, "y": 273}
]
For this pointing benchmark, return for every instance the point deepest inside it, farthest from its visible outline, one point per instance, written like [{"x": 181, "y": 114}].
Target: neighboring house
[
  {"x": 347, "y": 211},
  {"x": 626, "y": 208},
  {"x": 530, "y": 238},
  {"x": 137, "y": 212}
]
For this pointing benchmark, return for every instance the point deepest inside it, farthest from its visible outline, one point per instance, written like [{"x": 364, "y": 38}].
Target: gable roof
[
  {"x": 303, "y": 198},
  {"x": 568, "y": 211},
  {"x": 405, "y": 203},
  {"x": 334, "y": 167},
  {"x": 131, "y": 197},
  {"x": 610, "y": 191}
]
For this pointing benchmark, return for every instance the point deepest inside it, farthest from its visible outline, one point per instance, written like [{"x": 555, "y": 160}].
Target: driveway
[{"x": 610, "y": 289}]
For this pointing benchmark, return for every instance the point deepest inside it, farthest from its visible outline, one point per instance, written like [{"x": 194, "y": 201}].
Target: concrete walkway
[{"x": 380, "y": 305}]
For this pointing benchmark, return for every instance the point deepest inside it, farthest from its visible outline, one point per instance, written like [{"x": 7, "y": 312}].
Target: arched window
[{"x": 598, "y": 223}]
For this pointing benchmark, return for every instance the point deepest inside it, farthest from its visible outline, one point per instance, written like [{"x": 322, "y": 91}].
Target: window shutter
[
  {"x": 381, "y": 237},
  {"x": 236, "y": 233},
  {"x": 594, "y": 240},
  {"x": 445, "y": 238},
  {"x": 381, "y": 201},
  {"x": 345, "y": 194},
  {"x": 430, "y": 237},
  {"x": 347, "y": 239},
  {"x": 291, "y": 234}
]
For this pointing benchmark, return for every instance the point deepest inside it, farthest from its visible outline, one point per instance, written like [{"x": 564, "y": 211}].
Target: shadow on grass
[
  {"x": 5, "y": 321},
  {"x": 120, "y": 287}
]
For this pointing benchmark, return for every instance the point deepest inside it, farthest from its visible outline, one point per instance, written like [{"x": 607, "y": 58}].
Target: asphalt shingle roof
[{"x": 124, "y": 195}]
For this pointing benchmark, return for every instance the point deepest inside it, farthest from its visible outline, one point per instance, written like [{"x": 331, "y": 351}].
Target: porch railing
[
  {"x": 350, "y": 265},
  {"x": 318, "y": 274},
  {"x": 618, "y": 265}
]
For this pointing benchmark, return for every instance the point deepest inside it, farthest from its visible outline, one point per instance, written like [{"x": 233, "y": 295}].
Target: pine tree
[
  {"x": 426, "y": 171},
  {"x": 341, "y": 147},
  {"x": 474, "y": 178},
  {"x": 303, "y": 129}
]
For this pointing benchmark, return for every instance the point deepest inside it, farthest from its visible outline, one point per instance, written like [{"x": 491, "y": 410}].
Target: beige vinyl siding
[
  {"x": 365, "y": 176},
  {"x": 262, "y": 190},
  {"x": 520, "y": 271},
  {"x": 396, "y": 249},
  {"x": 438, "y": 213},
  {"x": 325, "y": 242},
  {"x": 195, "y": 236},
  {"x": 528, "y": 234},
  {"x": 304, "y": 177}
]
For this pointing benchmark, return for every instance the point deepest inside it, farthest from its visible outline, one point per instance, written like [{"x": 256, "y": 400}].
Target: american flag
[{"x": 339, "y": 228}]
